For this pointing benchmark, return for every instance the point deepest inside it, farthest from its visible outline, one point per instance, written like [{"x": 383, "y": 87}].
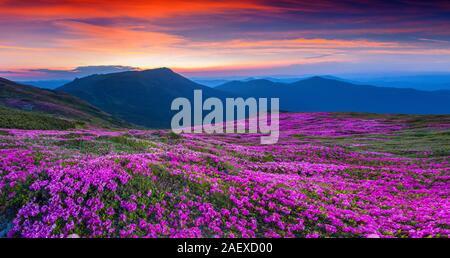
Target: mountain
[
  {"x": 140, "y": 97},
  {"x": 324, "y": 94},
  {"x": 26, "y": 101}
]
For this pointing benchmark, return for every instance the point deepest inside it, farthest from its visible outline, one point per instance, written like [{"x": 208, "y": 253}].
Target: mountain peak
[
  {"x": 262, "y": 81},
  {"x": 140, "y": 97},
  {"x": 159, "y": 70},
  {"x": 320, "y": 81},
  {"x": 317, "y": 78}
]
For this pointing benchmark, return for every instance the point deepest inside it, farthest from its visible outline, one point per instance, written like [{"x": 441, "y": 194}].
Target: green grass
[
  {"x": 128, "y": 144},
  {"x": 106, "y": 144},
  {"x": 17, "y": 119},
  {"x": 407, "y": 144},
  {"x": 85, "y": 147},
  {"x": 413, "y": 143}
]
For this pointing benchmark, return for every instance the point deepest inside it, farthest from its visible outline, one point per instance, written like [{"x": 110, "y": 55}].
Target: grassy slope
[
  {"x": 10, "y": 118},
  {"x": 60, "y": 105}
]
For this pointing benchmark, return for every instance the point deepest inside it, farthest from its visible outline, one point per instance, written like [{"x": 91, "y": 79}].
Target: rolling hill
[
  {"x": 17, "y": 100},
  {"x": 324, "y": 94}
]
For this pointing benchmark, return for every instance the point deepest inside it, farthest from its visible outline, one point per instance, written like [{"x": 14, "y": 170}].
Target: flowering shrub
[{"x": 321, "y": 180}]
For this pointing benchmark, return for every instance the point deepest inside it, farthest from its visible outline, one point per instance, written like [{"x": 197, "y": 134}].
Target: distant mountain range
[
  {"x": 140, "y": 97},
  {"x": 45, "y": 84},
  {"x": 420, "y": 81},
  {"x": 58, "y": 104},
  {"x": 324, "y": 94}
]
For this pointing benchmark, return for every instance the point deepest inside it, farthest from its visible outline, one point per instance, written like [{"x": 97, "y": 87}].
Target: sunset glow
[{"x": 259, "y": 37}]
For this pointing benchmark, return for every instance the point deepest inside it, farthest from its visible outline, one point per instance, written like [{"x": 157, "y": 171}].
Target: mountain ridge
[{"x": 323, "y": 94}]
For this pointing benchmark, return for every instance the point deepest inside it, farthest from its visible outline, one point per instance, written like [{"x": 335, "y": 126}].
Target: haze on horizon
[{"x": 50, "y": 39}]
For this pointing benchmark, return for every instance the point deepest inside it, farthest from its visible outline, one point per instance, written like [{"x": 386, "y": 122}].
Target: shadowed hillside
[{"x": 60, "y": 105}]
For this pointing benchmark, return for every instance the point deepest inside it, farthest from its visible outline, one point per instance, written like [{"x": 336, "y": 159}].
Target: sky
[{"x": 59, "y": 39}]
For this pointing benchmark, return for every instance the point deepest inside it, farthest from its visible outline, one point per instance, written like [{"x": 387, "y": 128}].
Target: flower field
[{"x": 330, "y": 175}]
